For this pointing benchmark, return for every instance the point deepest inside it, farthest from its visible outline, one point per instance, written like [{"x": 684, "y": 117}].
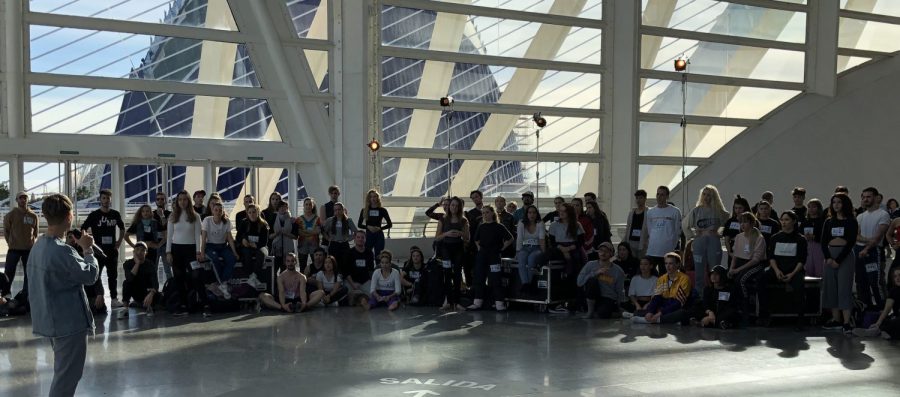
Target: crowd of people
[{"x": 670, "y": 266}]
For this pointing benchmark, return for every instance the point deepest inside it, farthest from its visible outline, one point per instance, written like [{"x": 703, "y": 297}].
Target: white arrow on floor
[{"x": 421, "y": 393}]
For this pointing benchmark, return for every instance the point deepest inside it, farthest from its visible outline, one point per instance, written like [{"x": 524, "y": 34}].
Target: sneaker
[
  {"x": 847, "y": 329},
  {"x": 150, "y": 311},
  {"x": 832, "y": 325},
  {"x": 334, "y": 304},
  {"x": 180, "y": 313},
  {"x": 224, "y": 289},
  {"x": 254, "y": 282},
  {"x": 500, "y": 306},
  {"x": 123, "y": 314},
  {"x": 560, "y": 309},
  {"x": 627, "y": 315},
  {"x": 866, "y": 332},
  {"x": 115, "y": 303},
  {"x": 206, "y": 312},
  {"x": 725, "y": 325},
  {"x": 587, "y": 316}
]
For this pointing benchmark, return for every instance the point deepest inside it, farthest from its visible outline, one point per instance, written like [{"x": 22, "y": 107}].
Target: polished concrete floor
[{"x": 419, "y": 352}]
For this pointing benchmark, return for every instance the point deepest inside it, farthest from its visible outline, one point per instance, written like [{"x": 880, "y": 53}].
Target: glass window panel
[
  {"x": 664, "y": 139},
  {"x": 652, "y": 176},
  {"x": 412, "y": 28},
  {"x": 504, "y": 177},
  {"x": 70, "y": 110},
  {"x": 720, "y": 17},
  {"x": 213, "y": 14},
  {"x": 310, "y": 18},
  {"x": 867, "y": 35},
  {"x": 6, "y": 195},
  {"x": 561, "y": 135},
  {"x": 128, "y": 55},
  {"x": 729, "y": 60},
  {"x": 402, "y": 77},
  {"x": 664, "y": 96},
  {"x": 845, "y": 63},
  {"x": 592, "y": 8},
  {"x": 881, "y": 7}
]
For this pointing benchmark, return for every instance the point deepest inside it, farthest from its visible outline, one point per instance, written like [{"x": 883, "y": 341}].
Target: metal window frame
[{"x": 468, "y": 9}]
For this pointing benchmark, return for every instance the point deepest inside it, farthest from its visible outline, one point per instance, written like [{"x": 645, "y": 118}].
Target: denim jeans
[
  {"x": 529, "y": 257},
  {"x": 222, "y": 258},
  {"x": 12, "y": 262},
  {"x": 375, "y": 242}
]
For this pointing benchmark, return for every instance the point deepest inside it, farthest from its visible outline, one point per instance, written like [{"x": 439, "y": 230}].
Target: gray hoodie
[{"x": 614, "y": 290}]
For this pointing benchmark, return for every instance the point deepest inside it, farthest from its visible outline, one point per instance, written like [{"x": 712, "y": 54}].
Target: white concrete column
[
  {"x": 16, "y": 177},
  {"x": 15, "y": 83},
  {"x": 209, "y": 178},
  {"x": 355, "y": 79},
  {"x": 292, "y": 188},
  {"x": 821, "y": 41},
  {"x": 618, "y": 142}
]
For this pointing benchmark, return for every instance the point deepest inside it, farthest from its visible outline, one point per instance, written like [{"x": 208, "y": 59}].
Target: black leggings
[
  {"x": 483, "y": 271},
  {"x": 604, "y": 307},
  {"x": 182, "y": 256},
  {"x": 339, "y": 251},
  {"x": 455, "y": 253}
]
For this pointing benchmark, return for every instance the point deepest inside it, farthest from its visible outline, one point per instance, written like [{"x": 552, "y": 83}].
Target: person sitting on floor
[
  {"x": 141, "y": 283},
  {"x": 291, "y": 289},
  {"x": 642, "y": 286},
  {"x": 330, "y": 283},
  {"x": 719, "y": 307},
  {"x": 603, "y": 284},
  {"x": 385, "y": 284},
  {"x": 888, "y": 324},
  {"x": 672, "y": 292},
  {"x": 412, "y": 274}
]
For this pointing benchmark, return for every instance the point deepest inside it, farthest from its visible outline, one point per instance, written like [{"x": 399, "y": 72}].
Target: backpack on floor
[
  {"x": 218, "y": 304},
  {"x": 171, "y": 297},
  {"x": 432, "y": 284}
]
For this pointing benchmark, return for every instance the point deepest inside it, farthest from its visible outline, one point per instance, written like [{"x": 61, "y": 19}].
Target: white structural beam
[
  {"x": 423, "y": 125},
  {"x": 521, "y": 87},
  {"x": 267, "y": 23},
  {"x": 618, "y": 145},
  {"x": 163, "y": 86},
  {"x": 821, "y": 40},
  {"x": 490, "y": 155},
  {"x": 502, "y": 108},
  {"x": 354, "y": 82},
  {"x": 554, "y": 18},
  {"x": 16, "y": 180},
  {"x": 852, "y": 29},
  {"x": 15, "y": 61},
  {"x": 125, "y": 26}
]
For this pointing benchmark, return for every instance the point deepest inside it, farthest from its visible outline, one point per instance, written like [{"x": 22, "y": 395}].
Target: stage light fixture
[
  {"x": 681, "y": 63},
  {"x": 374, "y": 145},
  {"x": 538, "y": 120},
  {"x": 446, "y": 101}
]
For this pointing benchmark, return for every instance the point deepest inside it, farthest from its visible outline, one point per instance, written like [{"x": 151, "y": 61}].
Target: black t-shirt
[
  {"x": 490, "y": 237},
  {"x": 895, "y": 295},
  {"x": 254, "y": 232},
  {"x": 359, "y": 266},
  {"x": 149, "y": 232},
  {"x": 239, "y": 221},
  {"x": 103, "y": 226},
  {"x": 637, "y": 223},
  {"x": 474, "y": 217},
  {"x": 630, "y": 266},
  {"x": 768, "y": 228},
  {"x": 787, "y": 249},
  {"x": 508, "y": 221},
  {"x": 329, "y": 209},
  {"x": 411, "y": 274},
  {"x": 812, "y": 226},
  {"x": 552, "y": 216},
  {"x": 269, "y": 216},
  {"x": 312, "y": 270},
  {"x": 201, "y": 210},
  {"x": 146, "y": 274},
  {"x": 166, "y": 214},
  {"x": 377, "y": 217},
  {"x": 800, "y": 211},
  {"x": 731, "y": 229}
]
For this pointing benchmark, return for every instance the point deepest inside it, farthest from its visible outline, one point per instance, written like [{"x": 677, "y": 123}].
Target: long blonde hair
[
  {"x": 377, "y": 201},
  {"x": 716, "y": 200}
]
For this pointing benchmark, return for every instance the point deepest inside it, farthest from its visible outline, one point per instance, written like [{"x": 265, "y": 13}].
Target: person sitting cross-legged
[{"x": 672, "y": 292}]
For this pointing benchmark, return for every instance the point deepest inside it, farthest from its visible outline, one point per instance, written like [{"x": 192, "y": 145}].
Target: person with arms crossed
[{"x": 102, "y": 224}]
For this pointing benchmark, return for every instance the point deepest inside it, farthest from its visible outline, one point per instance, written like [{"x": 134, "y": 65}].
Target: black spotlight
[
  {"x": 539, "y": 120},
  {"x": 447, "y": 101},
  {"x": 681, "y": 63}
]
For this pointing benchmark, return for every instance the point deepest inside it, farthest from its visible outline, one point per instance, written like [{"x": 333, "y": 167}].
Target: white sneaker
[
  {"x": 627, "y": 315},
  {"x": 254, "y": 282},
  {"x": 123, "y": 314},
  {"x": 150, "y": 311},
  {"x": 500, "y": 306},
  {"x": 334, "y": 304},
  {"x": 224, "y": 289},
  {"x": 116, "y": 303}
]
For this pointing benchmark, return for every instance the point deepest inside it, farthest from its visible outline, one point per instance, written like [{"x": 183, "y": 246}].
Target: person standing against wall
[{"x": 20, "y": 229}]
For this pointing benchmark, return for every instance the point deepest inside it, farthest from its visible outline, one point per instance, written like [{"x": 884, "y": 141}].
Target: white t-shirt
[
  {"x": 642, "y": 286},
  {"x": 215, "y": 233},
  {"x": 869, "y": 222},
  {"x": 391, "y": 283},
  {"x": 663, "y": 227},
  {"x": 326, "y": 284}
]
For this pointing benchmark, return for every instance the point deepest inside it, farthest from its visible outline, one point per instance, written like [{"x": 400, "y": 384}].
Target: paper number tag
[
  {"x": 808, "y": 230},
  {"x": 724, "y": 296},
  {"x": 635, "y": 232},
  {"x": 766, "y": 229},
  {"x": 29, "y": 220},
  {"x": 735, "y": 226},
  {"x": 446, "y": 264},
  {"x": 871, "y": 267},
  {"x": 530, "y": 241},
  {"x": 253, "y": 239},
  {"x": 837, "y": 232},
  {"x": 786, "y": 249},
  {"x": 106, "y": 240},
  {"x": 360, "y": 263},
  {"x": 148, "y": 229},
  {"x": 373, "y": 212},
  {"x": 495, "y": 268}
]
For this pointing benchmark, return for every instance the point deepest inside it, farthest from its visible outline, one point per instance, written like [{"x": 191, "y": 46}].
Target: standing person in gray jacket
[
  {"x": 702, "y": 224},
  {"x": 59, "y": 308},
  {"x": 603, "y": 283}
]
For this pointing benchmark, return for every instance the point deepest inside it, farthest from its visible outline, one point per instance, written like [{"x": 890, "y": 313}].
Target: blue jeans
[
  {"x": 707, "y": 255},
  {"x": 222, "y": 258},
  {"x": 375, "y": 243},
  {"x": 12, "y": 262},
  {"x": 529, "y": 257},
  {"x": 868, "y": 285}
]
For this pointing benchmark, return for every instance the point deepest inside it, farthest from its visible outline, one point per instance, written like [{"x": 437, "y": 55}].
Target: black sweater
[{"x": 846, "y": 229}]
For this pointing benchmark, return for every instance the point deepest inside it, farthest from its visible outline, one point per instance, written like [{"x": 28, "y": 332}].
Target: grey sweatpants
[
  {"x": 837, "y": 284},
  {"x": 707, "y": 251},
  {"x": 68, "y": 363}
]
